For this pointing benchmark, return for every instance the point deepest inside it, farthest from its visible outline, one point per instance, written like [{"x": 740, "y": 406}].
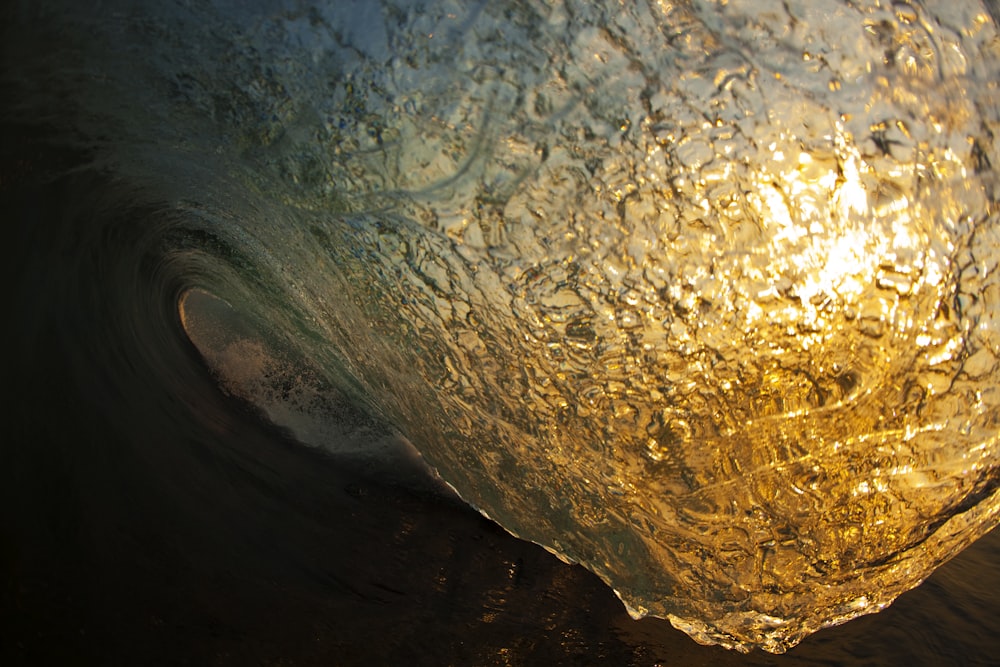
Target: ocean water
[{"x": 235, "y": 479}]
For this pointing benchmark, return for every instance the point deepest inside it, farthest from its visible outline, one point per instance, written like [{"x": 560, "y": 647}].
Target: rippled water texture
[{"x": 702, "y": 296}]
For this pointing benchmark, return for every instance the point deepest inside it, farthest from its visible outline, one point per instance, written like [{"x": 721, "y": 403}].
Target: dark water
[{"x": 149, "y": 518}]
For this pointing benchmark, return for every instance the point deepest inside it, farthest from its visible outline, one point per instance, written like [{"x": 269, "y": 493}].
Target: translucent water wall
[{"x": 704, "y": 295}]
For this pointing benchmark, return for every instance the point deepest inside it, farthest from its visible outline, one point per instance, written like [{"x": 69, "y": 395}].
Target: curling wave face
[{"x": 701, "y": 295}]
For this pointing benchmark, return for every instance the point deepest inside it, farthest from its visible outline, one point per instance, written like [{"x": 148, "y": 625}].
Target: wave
[{"x": 261, "y": 249}]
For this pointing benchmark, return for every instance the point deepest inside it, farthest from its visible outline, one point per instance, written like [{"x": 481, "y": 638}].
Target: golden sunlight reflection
[{"x": 708, "y": 305}]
